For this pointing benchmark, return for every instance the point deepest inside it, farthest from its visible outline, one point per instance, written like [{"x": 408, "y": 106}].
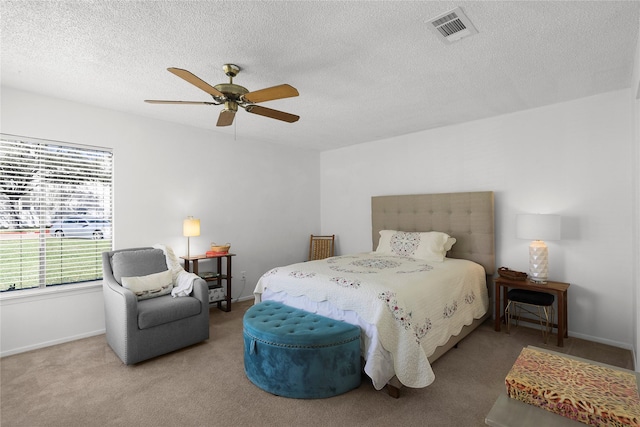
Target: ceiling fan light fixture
[
  {"x": 231, "y": 91},
  {"x": 230, "y": 106}
]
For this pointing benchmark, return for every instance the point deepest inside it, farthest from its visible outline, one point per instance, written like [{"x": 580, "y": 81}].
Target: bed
[{"x": 412, "y": 303}]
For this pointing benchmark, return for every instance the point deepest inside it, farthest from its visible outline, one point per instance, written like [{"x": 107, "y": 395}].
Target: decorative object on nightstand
[
  {"x": 218, "y": 249},
  {"x": 538, "y": 227},
  {"x": 511, "y": 274},
  {"x": 190, "y": 228}
]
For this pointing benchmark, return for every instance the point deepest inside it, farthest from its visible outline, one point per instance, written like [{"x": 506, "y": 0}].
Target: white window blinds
[{"x": 55, "y": 212}]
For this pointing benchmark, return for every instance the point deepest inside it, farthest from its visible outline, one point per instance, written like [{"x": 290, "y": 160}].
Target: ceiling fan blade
[
  {"x": 156, "y": 101},
  {"x": 274, "y": 114},
  {"x": 270, "y": 93},
  {"x": 226, "y": 118},
  {"x": 196, "y": 81}
]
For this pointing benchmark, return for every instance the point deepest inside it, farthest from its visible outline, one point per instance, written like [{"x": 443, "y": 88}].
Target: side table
[
  {"x": 216, "y": 278},
  {"x": 557, "y": 288}
]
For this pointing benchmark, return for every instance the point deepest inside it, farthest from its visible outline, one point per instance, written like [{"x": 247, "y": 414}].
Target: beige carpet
[{"x": 83, "y": 383}]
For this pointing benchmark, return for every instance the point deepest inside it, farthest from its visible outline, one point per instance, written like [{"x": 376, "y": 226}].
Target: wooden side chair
[{"x": 321, "y": 247}]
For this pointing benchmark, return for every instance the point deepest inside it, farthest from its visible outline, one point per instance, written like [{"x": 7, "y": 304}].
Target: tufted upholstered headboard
[{"x": 468, "y": 217}]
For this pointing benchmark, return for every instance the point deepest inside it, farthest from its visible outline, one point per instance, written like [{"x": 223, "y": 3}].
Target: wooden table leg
[
  {"x": 505, "y": 297},
  {"x": 228, "y": 308},
  {"x": 229, "y": 276},
  {"x": 566, "y": 316},
  {"x": 562, "y": 320},
  {"x": 496, "y": 296}
]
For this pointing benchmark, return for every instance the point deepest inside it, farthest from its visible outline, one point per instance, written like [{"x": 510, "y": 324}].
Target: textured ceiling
[{"x": 365, "y": 70}]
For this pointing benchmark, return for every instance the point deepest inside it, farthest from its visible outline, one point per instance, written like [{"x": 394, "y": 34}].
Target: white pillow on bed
[{"x": 430, "y": 245}]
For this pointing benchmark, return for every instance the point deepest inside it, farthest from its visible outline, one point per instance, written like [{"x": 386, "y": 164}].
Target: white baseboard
[
  {"x": 612, "y": 343},
  {"x": 245, "y": 298},
  {"x": 586, "y": 337},
  {"x": 65, "y": 339},
  {"x": 50, "y": 343}
]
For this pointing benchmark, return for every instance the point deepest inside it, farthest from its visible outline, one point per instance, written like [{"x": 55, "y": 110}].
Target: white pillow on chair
[{"x": 150, "y": 286}]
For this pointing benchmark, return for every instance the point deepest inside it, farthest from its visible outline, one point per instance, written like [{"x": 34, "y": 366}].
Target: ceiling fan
[{"x": 234, "y": 96}]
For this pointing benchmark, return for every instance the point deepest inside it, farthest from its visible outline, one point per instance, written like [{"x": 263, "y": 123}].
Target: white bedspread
[{"x": 407, "y": 306}]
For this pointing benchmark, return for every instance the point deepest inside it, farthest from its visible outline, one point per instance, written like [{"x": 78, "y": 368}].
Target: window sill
[{"x": 25, "y": 295}]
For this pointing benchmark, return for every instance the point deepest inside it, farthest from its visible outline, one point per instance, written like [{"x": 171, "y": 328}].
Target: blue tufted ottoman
[{"x": 294, "y": 353}]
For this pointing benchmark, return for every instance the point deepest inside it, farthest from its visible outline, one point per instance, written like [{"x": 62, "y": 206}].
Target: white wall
[
  {"x": 573, "y": 159},
  {"x": 635, "y": 85},
  {"x": 261, "y": 197}
]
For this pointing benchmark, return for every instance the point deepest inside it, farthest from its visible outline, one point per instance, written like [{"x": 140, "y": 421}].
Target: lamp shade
[
  {"x": 538, "y": 227},
  {"x": 191, "y": 227}
]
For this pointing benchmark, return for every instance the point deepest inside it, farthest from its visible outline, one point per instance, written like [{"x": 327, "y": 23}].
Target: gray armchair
[{"x": 139, "y": 330}]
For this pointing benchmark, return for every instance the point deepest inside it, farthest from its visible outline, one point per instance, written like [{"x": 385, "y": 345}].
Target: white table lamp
[
  {"x": 538, "y": 228},
  {"x": 190, "y": 228}
]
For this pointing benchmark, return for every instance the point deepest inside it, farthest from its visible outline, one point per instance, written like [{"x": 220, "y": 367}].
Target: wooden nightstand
[
  {"x": 215, "y": 280},
  {"x": 559, "y": 289}
]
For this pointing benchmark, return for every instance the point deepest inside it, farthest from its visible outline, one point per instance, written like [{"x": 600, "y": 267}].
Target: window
[{"x": 55, "y": 212}]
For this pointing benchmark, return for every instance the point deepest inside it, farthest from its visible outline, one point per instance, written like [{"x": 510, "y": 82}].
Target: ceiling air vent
[{"x": 452, "y": 26}]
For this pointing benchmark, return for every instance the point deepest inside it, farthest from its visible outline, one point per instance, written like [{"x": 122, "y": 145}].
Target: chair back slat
[{"x": 321, "y": 247}]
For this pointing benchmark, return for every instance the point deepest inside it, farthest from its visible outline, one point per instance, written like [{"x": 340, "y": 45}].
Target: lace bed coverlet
[{"x": 414, "y": 305}]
